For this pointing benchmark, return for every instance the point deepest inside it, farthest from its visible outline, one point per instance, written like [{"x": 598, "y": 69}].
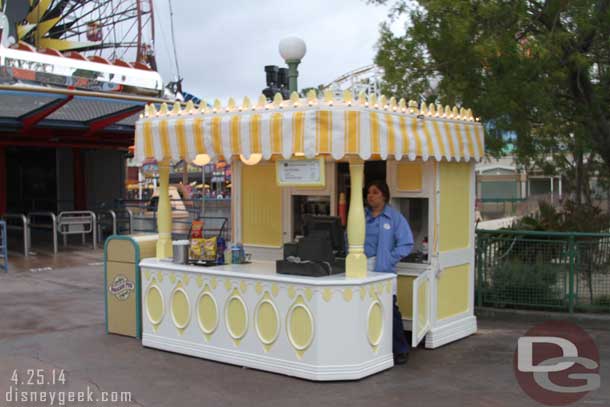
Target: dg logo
[{"x": 557, "y": 363}]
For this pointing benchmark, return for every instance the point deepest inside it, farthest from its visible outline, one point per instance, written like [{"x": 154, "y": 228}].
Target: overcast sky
[{"x": 223, "y": 45}]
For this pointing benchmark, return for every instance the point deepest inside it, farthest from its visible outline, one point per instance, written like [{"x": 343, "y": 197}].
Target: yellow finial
[
  {"x": 447, "y": 110},
  {"x": 246, "y": 103},
  {"x": 147, "y": 110},
  {"x": 311, "y": 96},
  {"x": 190, "y": 106},
  {"x": 402, "y": 104},
  {"x": 382, "y": 102},
  {"x": 217, "y": 105},
  {"x": 261, "y": 102},
  {"x": 163, "y": 111},
  {"x": 440, "y": 111},
  {"x": 231, "y": 104},
  {"x": 328, "y": 96},
  {"x": 432, "y": 109},
  {"x": 348, "y": 97},
  {"x": 454, "y": 112},
  {"x": 393, "y": 103},
  {"x": 424, "y": 109},
  {"x": 362, "y": 98},
  {"x": 373, "y": 100},
  {"x": 469, "y": 114},
  {"x": 412, "y": 106},
  {"x": 462, "y": 113},
  {"x": 203, "y": 106},
  {"x": 177, "y": 109},
  {"x": 277, "y": 100},
  {"x": 294, "y": 98}
]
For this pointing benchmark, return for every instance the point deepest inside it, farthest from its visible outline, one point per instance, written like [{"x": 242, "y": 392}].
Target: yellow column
[
  {"x": 164, "y": 213},
  {"x": 355, "y": 264}
]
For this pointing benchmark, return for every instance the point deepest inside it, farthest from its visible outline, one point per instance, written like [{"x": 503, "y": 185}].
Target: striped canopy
[{"x": 310, "y": 129}]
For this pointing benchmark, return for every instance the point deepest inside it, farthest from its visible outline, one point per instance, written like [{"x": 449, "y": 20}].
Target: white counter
[
  {"x": 319, "y": 328},
  {"x": 265, "y": 271}
]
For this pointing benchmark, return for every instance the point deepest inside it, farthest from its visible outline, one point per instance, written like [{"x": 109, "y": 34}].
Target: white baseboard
[
  {"x": 451, "y": 332},
  {"x": 290, "y": 368}
]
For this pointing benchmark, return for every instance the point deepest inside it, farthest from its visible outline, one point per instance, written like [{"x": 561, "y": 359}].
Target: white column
[
  {"x": 164, "y": 213},
  {"x": 355, "y": 263}
]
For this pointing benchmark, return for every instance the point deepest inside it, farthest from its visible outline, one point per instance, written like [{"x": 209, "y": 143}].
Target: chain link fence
[{"x": 543, "y": 270}]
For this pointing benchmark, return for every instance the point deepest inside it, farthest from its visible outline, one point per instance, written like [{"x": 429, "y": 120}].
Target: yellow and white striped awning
[{"x": 369, "y": 129}]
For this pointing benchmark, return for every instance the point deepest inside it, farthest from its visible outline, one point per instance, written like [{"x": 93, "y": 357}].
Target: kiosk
[{"x": 288, "y": 155}]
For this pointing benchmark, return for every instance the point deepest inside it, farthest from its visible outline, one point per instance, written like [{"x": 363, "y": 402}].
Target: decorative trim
[
  {"x": 445, "y": 334},
  {"x": 455, "y": 258},
  {"x": 148, "y": 290},
  {"x": 289, "y": 319},
  {"x": 188, "y": 302},
  {"x": 277, "y": 319},
  {"x": 290, "y": 368},
  {"x": 374, "y": 343},
  {"x": 233, "y": 273},
  {"x": 203, "y": 329},
  {"x": 229, "y": 330}
]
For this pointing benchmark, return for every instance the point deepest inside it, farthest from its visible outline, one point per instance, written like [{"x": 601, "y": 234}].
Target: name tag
[{"x": 387, "y": 226}]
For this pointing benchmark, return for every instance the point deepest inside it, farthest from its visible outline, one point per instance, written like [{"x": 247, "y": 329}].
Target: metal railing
[
  {"x": 124, "y": 220},
  {"x": 11, "y": 219},
  {"x": 77, "y": 222},
  {"x": 116, "y": 221},
  {"x": 106, "y": 221},
  {"x": 34, "y": 222},
  {"x": 3, "y": 247},
  {"x": 543, "y": 270}
]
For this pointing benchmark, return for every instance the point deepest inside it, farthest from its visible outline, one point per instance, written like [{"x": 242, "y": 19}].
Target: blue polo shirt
[{"x": 388, "y": 237}]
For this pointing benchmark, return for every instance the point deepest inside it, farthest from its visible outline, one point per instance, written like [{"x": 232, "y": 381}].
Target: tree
[{"x": 540, "y": 69}]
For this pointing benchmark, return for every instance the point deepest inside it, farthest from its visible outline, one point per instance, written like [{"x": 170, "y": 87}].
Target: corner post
[
  {"x": 355, "y": 264},
  {"x": 164, "y": 213}
]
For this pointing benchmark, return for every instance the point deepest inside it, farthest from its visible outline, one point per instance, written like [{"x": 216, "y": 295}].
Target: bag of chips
[
  {"x": 209, "y": 249},
  {"x": 196, "y": 251},
  {"x": 197, "y": 229}
]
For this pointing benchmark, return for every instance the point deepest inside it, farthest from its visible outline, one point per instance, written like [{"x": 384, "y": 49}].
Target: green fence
[{"x": 543, "y": 270}]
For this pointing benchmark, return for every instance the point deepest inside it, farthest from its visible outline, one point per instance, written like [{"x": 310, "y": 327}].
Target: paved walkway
[{"x": 54, "y": 319}]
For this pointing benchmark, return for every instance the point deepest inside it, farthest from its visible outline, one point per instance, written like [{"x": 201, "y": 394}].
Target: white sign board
[{"x": 300, "y": 173}]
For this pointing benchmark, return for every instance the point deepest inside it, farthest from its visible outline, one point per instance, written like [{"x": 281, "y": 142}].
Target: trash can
[{"x": 122, "y": 255}]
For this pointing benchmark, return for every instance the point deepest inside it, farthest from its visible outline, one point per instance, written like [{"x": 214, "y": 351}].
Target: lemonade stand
[{"x": 337, "y": 327}]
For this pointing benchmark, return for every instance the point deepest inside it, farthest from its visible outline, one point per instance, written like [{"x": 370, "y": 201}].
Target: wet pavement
[{"x": 52, "y": 321}]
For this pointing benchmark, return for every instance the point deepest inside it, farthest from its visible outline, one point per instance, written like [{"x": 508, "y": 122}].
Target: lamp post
[{"x": 292, "y": 50}]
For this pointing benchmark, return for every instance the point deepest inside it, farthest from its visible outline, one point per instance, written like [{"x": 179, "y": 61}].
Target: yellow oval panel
[
  {"x": 207, "y": 313},
  {"x": 236, "y": 317},
  {"x": 181, "y": 308},
  {"x": 154, "y": 305},
  {"x": 300, "y": 327},
  {"x": 375, "y": 323},
  {"x": 267, "y": 322}
]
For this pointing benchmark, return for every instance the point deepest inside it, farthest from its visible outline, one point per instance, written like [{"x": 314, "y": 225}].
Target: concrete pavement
[{"x": 54, "y": 320}]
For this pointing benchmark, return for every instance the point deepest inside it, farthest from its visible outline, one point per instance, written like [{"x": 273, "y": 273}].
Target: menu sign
[{"x": 300, "y": 173}]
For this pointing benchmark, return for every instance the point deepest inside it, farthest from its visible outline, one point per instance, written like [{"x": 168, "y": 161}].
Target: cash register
[{"x": 320, "y": 252}]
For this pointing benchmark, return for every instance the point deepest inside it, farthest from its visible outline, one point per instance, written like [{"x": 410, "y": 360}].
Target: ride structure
[{"x": 97, "y": 45}]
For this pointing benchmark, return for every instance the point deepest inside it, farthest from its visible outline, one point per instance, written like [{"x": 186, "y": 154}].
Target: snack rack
[{"x": 213, "y": 226}]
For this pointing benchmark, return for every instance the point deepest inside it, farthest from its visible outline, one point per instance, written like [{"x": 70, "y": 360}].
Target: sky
[{"x": 223, "y": 46}]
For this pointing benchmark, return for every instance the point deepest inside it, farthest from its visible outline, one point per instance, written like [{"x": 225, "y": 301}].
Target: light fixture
[
  {"x": 201, "y": 160},
  {"x": 255, "y": 158},
  {"x": 292, "y": 49}
]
